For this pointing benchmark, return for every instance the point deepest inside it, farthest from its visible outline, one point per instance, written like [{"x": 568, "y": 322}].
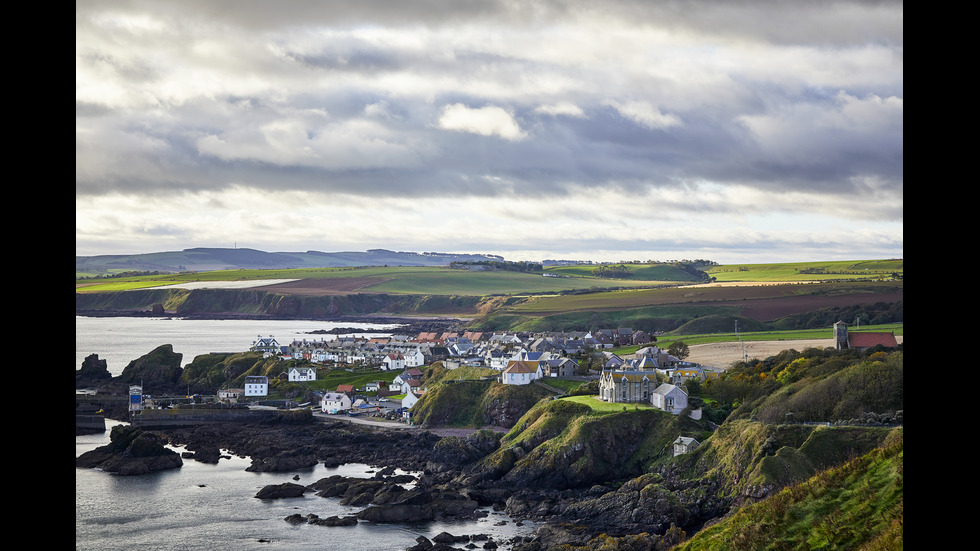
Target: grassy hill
[{"x": 859, "y": 505}]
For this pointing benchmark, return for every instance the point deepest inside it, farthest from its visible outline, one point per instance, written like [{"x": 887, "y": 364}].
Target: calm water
[
  {"x": 122, "y": 340},
  {"x": 202, "y": 506}
]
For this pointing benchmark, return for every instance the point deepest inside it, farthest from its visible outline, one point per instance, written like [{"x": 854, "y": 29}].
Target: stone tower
[{"x": 840, "y": 335}]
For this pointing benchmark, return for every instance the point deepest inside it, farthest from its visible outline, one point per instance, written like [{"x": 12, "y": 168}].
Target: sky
[{"x": 733, "y": 131}]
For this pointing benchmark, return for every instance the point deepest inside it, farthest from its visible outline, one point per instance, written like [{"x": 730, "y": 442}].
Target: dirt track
[{"x": 725, "y": 353}]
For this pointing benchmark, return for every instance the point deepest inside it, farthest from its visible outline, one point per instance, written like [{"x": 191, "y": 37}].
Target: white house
[
  {"x": 670, "y": 398},
  {"x": 411, "y": 385},
  {"x": 332, "y": 402},
  {"x": 393, "y": 361},
  {"x": 409, "y": 400},
  {"x": 521, "y": 373},
  {"x": 267, "y": 345},
  {"x": 256, "y": 386},
  {"x": 414, "y": 358},
  {"x": 302, "y": 374}
]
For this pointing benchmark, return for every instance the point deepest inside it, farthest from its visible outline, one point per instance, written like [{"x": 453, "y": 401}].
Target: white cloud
[
  {"x": 565, "y": 108},
  {"x": 485, "y": 121},
  {"x": 645, "y": 114}
]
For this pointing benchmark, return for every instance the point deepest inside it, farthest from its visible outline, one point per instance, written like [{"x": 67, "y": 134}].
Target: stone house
[
  {"x": 626, "y": 386},
  {"x": 684, "y": 445}
]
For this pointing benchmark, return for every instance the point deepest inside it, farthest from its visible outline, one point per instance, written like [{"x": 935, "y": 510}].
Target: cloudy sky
[{"x": 736, "y": 131}]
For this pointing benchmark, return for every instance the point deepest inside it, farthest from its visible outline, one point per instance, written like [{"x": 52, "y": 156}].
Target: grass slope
[{"x": 859, "y": 505}]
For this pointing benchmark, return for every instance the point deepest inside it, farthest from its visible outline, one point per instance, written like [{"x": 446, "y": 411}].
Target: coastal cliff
[{"x": 257, "y": 303}]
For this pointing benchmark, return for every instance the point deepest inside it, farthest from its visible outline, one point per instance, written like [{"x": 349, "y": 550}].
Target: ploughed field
[{"x": 723, "y": 354}]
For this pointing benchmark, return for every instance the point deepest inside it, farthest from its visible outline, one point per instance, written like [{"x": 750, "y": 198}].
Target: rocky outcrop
[
  {"x": 316, "y": 520},
  {"x": 280, "y": 491},
  {"x": 93, "y": 371},
  {"x": 131, "y": 452},
  {"x": 419, "y": 505},
  {"x": 160, "y": 368},
  {"x": 289, "y": 460}
]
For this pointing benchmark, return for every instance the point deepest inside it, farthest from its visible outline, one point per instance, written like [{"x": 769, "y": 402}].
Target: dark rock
[
  {"x": 422, "y": 544},
  {"x": 93, "y": 370},
  {"x": 160, "y": 368},
  {"x": 446, "y": 537},
  {"x": 131, "y": 452},
  {"x": 334, "y": 521},
  {"x": 289, "y": 460},
  {"x": 284, "y": 490},
  {"x": 209, "y": 455},
  {"x": 296, "y": 518},
  {"x": 421, "y": 505}
]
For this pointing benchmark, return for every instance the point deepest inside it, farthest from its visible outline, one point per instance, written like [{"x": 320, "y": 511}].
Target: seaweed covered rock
[
  {"x": 131, "y": 452},
  {"x": 279, "y": 491}
]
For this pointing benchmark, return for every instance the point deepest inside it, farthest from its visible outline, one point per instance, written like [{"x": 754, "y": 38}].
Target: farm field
[
  {"x": 762, "y": 302},
  {"x": 442, "y": 280},
  {"x": 808, "y": 271},
  {"x": 388, "y": 280},
  {"x": 723, "y": 354}
]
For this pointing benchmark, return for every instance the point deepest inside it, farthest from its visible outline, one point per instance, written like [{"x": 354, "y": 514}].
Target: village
[{"x": 650, "y": 375}]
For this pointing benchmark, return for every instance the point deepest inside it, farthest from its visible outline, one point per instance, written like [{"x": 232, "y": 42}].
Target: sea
[{"x": 202, "y": 506}]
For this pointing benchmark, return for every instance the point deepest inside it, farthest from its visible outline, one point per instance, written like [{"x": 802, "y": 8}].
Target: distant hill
[{"x": 205, "y": 259}]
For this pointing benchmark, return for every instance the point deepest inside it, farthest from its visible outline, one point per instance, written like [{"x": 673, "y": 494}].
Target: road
[{"x": 367, "y": 420}]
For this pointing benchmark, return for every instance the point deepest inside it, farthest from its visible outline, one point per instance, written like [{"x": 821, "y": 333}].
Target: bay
[{"x": 120, "y": 340}]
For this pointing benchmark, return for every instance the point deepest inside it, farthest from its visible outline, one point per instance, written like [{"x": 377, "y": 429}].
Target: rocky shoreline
[{"x": 447, "y": 482}]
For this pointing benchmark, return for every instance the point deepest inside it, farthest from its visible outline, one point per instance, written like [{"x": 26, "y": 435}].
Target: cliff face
[{"x": 253, "y": 302}]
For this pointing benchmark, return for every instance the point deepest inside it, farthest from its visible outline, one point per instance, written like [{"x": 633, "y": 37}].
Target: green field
[
  {"x": 389, "y": 280},
  {"x": 809, "y": 271},
  {"x": 442, "y": 280}
]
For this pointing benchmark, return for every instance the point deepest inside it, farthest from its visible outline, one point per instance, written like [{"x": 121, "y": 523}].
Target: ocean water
[
  {"x": 120, "y": 340},
  {"x": 201, "y": 506}
]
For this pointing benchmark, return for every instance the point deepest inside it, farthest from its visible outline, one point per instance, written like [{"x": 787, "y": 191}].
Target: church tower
[{"x": 840, "y": 335}]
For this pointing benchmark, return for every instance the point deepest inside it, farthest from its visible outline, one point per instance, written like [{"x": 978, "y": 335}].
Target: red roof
[
  {"x": 867, "y": 340},
  {"x": 345, "y": 388}
]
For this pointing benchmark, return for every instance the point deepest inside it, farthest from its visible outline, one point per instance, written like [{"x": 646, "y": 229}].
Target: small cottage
[
  {"x": 684, "y": 445},
  {"x": 521, "y": 372}
]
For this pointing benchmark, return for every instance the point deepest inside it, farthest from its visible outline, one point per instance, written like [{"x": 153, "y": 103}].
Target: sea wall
[{"x": 163, "y": 418}]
